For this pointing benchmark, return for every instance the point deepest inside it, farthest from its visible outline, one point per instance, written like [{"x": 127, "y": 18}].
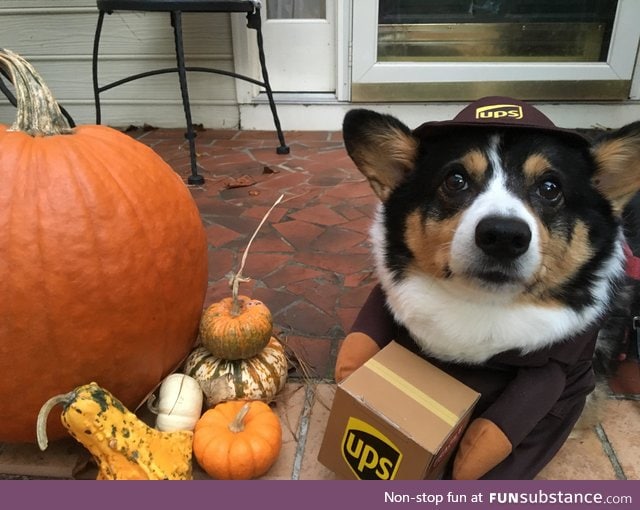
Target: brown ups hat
[{"x": 501, "y": 112}]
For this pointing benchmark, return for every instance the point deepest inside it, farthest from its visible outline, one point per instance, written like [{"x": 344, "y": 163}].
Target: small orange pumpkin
[
  {"x": 237, "y": 440},
  {"x": 236, "y": 328}
]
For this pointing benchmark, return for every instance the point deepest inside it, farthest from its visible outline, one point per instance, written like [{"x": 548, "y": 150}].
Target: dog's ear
[
  {"x": 381, "y": 146},
  {"x": 617, "y": 155}
]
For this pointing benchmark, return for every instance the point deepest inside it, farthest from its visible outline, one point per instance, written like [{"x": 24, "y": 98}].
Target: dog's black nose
[{"x": 503, "y": 238}]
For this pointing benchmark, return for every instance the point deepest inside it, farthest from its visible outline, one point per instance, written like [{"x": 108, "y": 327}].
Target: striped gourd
[{"x": 258, "y": 378}]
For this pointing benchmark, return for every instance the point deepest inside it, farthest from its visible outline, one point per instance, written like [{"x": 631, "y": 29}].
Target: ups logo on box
[
  {"x": 499, "y": 111},
  {"x": 368, "y": 452}
]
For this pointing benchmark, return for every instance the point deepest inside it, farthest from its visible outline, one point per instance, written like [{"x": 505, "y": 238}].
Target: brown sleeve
[
  {"x": 375, "y": 320},
  {"x": 526, "y": 400}
]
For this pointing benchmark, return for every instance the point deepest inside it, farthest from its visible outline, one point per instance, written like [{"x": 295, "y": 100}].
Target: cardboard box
[{"x": 396, "y": 417}]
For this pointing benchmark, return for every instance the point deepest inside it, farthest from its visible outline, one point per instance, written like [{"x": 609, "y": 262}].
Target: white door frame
[
  {"x": 245, "y": 57},
  {"x": 366, "y": 68}
]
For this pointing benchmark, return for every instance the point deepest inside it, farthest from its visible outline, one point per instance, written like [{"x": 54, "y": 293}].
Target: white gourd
[{"x": 179, "y": 403}]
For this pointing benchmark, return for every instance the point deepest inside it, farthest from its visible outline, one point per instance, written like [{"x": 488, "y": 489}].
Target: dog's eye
[
  {"x": 550, "y": 190},
  {"x": 455, "y": 182}
]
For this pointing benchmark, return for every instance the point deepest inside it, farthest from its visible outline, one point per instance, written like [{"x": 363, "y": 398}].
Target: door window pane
[
  {"x": 495, "y": 30},
  {"x": 296, "y": 9}
]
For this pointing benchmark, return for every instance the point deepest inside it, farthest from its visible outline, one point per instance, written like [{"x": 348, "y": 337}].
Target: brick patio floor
[{"x": 310, "y": 263}]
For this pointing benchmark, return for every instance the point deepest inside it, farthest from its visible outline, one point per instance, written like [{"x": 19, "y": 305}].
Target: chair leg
[
  {"x": 176, "y": 22},
  {"x": 96, "y": 88},
  {"x": 255, "y": 22}
]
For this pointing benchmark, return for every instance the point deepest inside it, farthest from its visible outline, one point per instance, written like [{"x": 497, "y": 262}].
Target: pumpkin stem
[
  {"x": 236, "y": 278},
  {"x": 43, "y": 414},
  {"x": 38, "y": 113},
  {"x": 237, "y": 425}
]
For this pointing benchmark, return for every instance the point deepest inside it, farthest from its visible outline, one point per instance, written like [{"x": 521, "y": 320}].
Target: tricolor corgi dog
[{"x": 499, "y": 249}]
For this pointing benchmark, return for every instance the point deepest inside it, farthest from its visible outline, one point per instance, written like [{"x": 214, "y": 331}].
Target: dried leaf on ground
[{"x": 239, "y": 182}]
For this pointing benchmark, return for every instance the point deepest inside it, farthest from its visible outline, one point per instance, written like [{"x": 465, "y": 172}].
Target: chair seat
[{"x": 179, "y": 5}]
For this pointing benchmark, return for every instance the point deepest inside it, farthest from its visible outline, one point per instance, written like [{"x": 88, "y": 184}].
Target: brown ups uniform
[{"x": 534, "y": 398}]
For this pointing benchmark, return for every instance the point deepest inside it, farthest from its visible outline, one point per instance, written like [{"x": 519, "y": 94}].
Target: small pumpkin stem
[
  {"x": 43, "y": 414},
  {"x": 236, "y": 278},
  {"x": 237, "y": 425},
  {"x": 38, "y": 113},
  {"x": 235, "y": 288}
]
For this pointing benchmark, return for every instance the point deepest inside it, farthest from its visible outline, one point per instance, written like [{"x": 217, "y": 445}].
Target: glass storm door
[{"x": 419, "y": 50}]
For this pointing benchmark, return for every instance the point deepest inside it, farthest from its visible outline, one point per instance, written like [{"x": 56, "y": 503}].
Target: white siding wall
[{"x": 56, "y": 36}]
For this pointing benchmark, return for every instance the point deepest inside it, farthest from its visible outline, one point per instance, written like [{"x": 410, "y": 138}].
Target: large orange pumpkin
[{"x": 103, "y": 264}]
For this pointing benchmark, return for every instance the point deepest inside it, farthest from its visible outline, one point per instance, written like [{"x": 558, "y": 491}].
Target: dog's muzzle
[
  {"x": 502, "y": 238},
  {"x": 501, "y": 241}
]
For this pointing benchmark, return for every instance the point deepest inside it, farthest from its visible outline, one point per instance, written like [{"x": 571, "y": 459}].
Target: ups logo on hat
[
  {"x": 499, "y": 111},
  {"x": 368, "y": 452}
]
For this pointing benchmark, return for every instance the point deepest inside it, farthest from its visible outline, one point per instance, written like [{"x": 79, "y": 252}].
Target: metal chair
[{"x": 175, "y": 8}]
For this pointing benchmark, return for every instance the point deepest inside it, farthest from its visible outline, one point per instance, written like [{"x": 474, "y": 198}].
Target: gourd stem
[
  {"x": 43, "y": 414},
  {"x": 237, "y": 425},
  {"x": 38, "y": 113},
  {"x": 151, "y": 404},
  {"x": 236, "y": 278}
]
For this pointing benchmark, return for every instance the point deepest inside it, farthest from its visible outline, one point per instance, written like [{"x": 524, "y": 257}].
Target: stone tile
[
  {"x": 241, "y": 225},
  {"x": 355, "y": 297},
  {"x": 347, "y": 316},
  {"x": 300, "y": 234},
  {"x": 259, "y": 211},
  {"x": 339, "y": 263},
  {"x": 359, "y": 279},
  {"x": 276, "y": 300},
  {"x": 291, "y": 273},
  {"x": 314, "y": 353},
  {"x": 320, "y": 215},
  {"x": 361, "y": 225},
  {"x": 299, "y": 136},
  {"x": 271, "y": 244},
  {"x": 220, "y": 290},
  {"x": 621, "y": 424},
  {"x": 347, "y": 210},
  {"x": 259, "y": 135},
  {"x": 324, "y": 293},
  {"x": 288, "y": 405},
  {"x": 260, "y": 265},
  {"x": 218, "y": 235},
  {"x": 626, "y": 380},
  {"x": 221, "y": 261},
  {"x": 311, "y": 469},
  {"x": 580, "y": 458},
  {"x": 349, "y": 191},
  {"x": 284, "y": 181},
  {"x": 58, "y": 461},
  {"x": 326, "y": 181},
  {"x": 336, "y": 240},
  {"x": 304, "y": 318}
]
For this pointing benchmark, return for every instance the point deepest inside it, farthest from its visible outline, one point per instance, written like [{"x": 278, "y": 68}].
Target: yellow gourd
[{"x": 124, "y": 447}]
